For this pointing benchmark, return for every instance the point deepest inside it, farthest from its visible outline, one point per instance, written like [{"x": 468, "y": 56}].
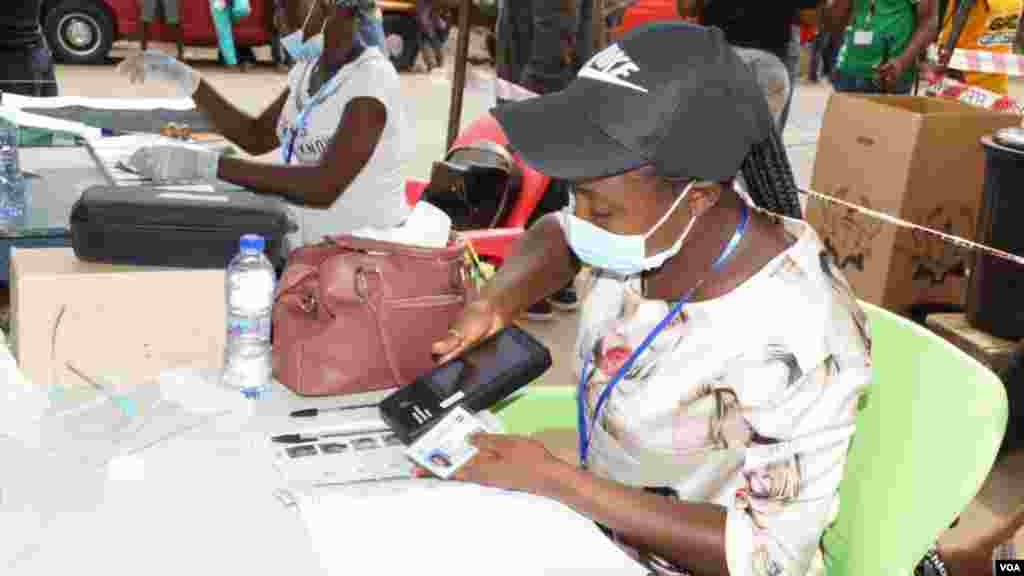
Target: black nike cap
[{"x": 670, "y": 94}]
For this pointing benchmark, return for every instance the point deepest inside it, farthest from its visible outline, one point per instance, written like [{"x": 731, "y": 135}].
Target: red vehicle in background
[{"x": 83, "y": 31}]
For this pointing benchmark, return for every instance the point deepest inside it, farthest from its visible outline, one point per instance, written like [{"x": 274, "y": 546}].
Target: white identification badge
[
  {"x": 446, "y": 447},
  {"x": 863, "y": 37}
]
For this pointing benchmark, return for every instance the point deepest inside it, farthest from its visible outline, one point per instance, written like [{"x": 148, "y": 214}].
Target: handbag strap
[
  {"x": 371, "y": 299},
  {"x": 377, "y": 312}
]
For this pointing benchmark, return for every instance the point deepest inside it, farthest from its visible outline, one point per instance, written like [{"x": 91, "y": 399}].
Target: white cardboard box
[{"x": 115, "y": 323}]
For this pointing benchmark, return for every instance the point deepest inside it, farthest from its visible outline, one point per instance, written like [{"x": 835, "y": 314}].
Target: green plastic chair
[{"x": 927, "y": 435}]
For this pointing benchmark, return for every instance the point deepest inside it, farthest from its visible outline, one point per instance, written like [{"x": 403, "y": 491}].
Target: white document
[
  {"x": 453, "y": 528},
  {"x": 18, "y": 101},
  {"x": 22, "y": 402}
]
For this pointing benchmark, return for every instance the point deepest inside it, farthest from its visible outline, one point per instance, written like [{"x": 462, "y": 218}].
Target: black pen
[
  {"x": 303, "y": 438},
  {"x": 314, "y": 412}
]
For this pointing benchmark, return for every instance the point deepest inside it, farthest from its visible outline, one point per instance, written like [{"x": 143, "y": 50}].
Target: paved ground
[{"x": 428, "y": 97}]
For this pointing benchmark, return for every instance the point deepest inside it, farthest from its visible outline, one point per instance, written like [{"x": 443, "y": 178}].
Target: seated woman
[
  {"x": 339, "y": 123},
  {"x": 720, "y": 356}
]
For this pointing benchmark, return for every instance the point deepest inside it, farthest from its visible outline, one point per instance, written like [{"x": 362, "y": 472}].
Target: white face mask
[
  {"x": 624, "y": 254},
  {"x": 304, "y": 50}
]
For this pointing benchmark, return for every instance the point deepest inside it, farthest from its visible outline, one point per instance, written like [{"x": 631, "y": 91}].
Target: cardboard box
[
  {"x": 915, "y": 158},
  {"x": 122, "y": 324}
]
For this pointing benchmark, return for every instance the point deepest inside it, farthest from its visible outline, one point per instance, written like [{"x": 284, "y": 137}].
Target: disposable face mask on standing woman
[
  {"x": 304, "y": 50},
  {"x": 624, "y": 254}
]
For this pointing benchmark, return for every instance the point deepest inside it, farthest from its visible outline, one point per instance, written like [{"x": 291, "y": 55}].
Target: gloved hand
[
  {"x": 171, "y": 163},
  {"x": 155, "y": 64}
]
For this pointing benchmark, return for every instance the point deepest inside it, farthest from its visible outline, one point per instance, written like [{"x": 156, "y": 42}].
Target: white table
[{"x": 205, "y": 507}]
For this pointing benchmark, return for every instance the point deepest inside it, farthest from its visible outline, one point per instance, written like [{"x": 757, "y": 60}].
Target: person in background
[
  {"x": 279, "y": 26},
  {"x": 991, "y": 26},
  {"x": 340, "y": 125},
  {"x": 246, "y": 58},
  {"x": 792, "y": 63},
  {"x": 534, "y": 40},
  {"x": 763, "y": 34},
  {"x": 433, "y": 55},
  {"x": 171, "y": 17},
  {"x": 26, "y": 63},
  {"x": 882, "y": 40},
  {"x": 244, "y": 54},
  {"x": 824, "y": 47},
  {"x": 371, "y": 28}
]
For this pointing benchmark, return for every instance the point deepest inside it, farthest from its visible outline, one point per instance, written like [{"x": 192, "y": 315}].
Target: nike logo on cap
[{"x": 612, "y": 66}]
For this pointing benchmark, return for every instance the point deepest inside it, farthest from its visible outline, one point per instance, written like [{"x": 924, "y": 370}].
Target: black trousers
[{"x": 28, "y": 71}]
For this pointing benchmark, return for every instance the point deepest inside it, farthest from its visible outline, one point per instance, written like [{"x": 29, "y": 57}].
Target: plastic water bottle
[
  {"x": 250, "y": 295},
  {"x": 12, "y": 182}
]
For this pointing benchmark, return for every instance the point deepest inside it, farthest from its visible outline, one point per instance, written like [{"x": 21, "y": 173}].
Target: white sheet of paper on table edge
[
  {"x": 19, "y": 101},
  {"x": 453, "y": 517}
]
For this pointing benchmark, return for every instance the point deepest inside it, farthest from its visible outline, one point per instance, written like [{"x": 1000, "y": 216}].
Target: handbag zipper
[{"x": 425, "y": 301}]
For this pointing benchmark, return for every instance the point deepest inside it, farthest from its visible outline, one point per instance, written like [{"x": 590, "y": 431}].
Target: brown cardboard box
[
  {"x": 915, "y": 158},
  {"x": 117, "y": 323}
]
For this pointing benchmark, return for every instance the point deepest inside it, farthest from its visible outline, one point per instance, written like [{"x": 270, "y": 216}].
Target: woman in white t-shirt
[
  {"x": 339, "y": 124},
  {"x": 720, "y": 356}
]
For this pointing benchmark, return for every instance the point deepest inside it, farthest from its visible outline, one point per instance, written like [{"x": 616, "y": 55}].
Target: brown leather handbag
[{"x": 353, "y": 315}]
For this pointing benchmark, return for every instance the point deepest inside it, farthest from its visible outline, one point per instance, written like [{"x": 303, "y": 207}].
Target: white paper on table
[
  {"x": 22, "y": 118},
  {"x": 36, "y": 490},
  {"x": 19, "y": 101},
  {"x": 455, "y": 528},
  {"x": 22, "y": 402}
]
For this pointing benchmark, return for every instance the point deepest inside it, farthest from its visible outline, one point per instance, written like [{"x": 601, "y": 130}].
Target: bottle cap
[{"x": 252, "y": 242}]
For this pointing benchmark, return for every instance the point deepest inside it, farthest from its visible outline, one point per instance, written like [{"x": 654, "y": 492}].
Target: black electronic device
[{"x": 476, "y": 380}]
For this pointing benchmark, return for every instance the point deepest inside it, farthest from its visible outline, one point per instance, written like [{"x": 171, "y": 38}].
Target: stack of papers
[{"x": 113, "y": 114}]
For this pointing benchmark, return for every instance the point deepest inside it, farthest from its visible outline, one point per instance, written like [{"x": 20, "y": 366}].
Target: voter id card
[
  {"x": 445, "y": 447},
  {"x": 863, "y": 37}
]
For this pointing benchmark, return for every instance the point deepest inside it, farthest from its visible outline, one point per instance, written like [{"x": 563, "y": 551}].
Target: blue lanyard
[
  {"x": 325, "y": 92},
  {"x": 586, "y": 432}
]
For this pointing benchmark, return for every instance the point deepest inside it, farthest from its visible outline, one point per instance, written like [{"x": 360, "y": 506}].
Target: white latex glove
[
  {"x": 174, "y": 163},
  {"x": 142, "y": 66}
]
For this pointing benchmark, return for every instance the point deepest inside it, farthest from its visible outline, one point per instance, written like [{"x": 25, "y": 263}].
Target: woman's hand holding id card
[{"x": 445, "y": 447}]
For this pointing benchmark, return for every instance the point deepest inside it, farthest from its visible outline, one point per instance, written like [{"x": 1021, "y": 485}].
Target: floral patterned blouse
[{"x": 746, "y": 401}]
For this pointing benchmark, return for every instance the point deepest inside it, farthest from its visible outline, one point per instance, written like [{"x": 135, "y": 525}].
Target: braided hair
[{"x": 769, "y": 178}]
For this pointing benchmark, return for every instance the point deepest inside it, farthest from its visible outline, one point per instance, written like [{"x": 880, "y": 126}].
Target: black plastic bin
[{"x": 994, "y": 297}]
